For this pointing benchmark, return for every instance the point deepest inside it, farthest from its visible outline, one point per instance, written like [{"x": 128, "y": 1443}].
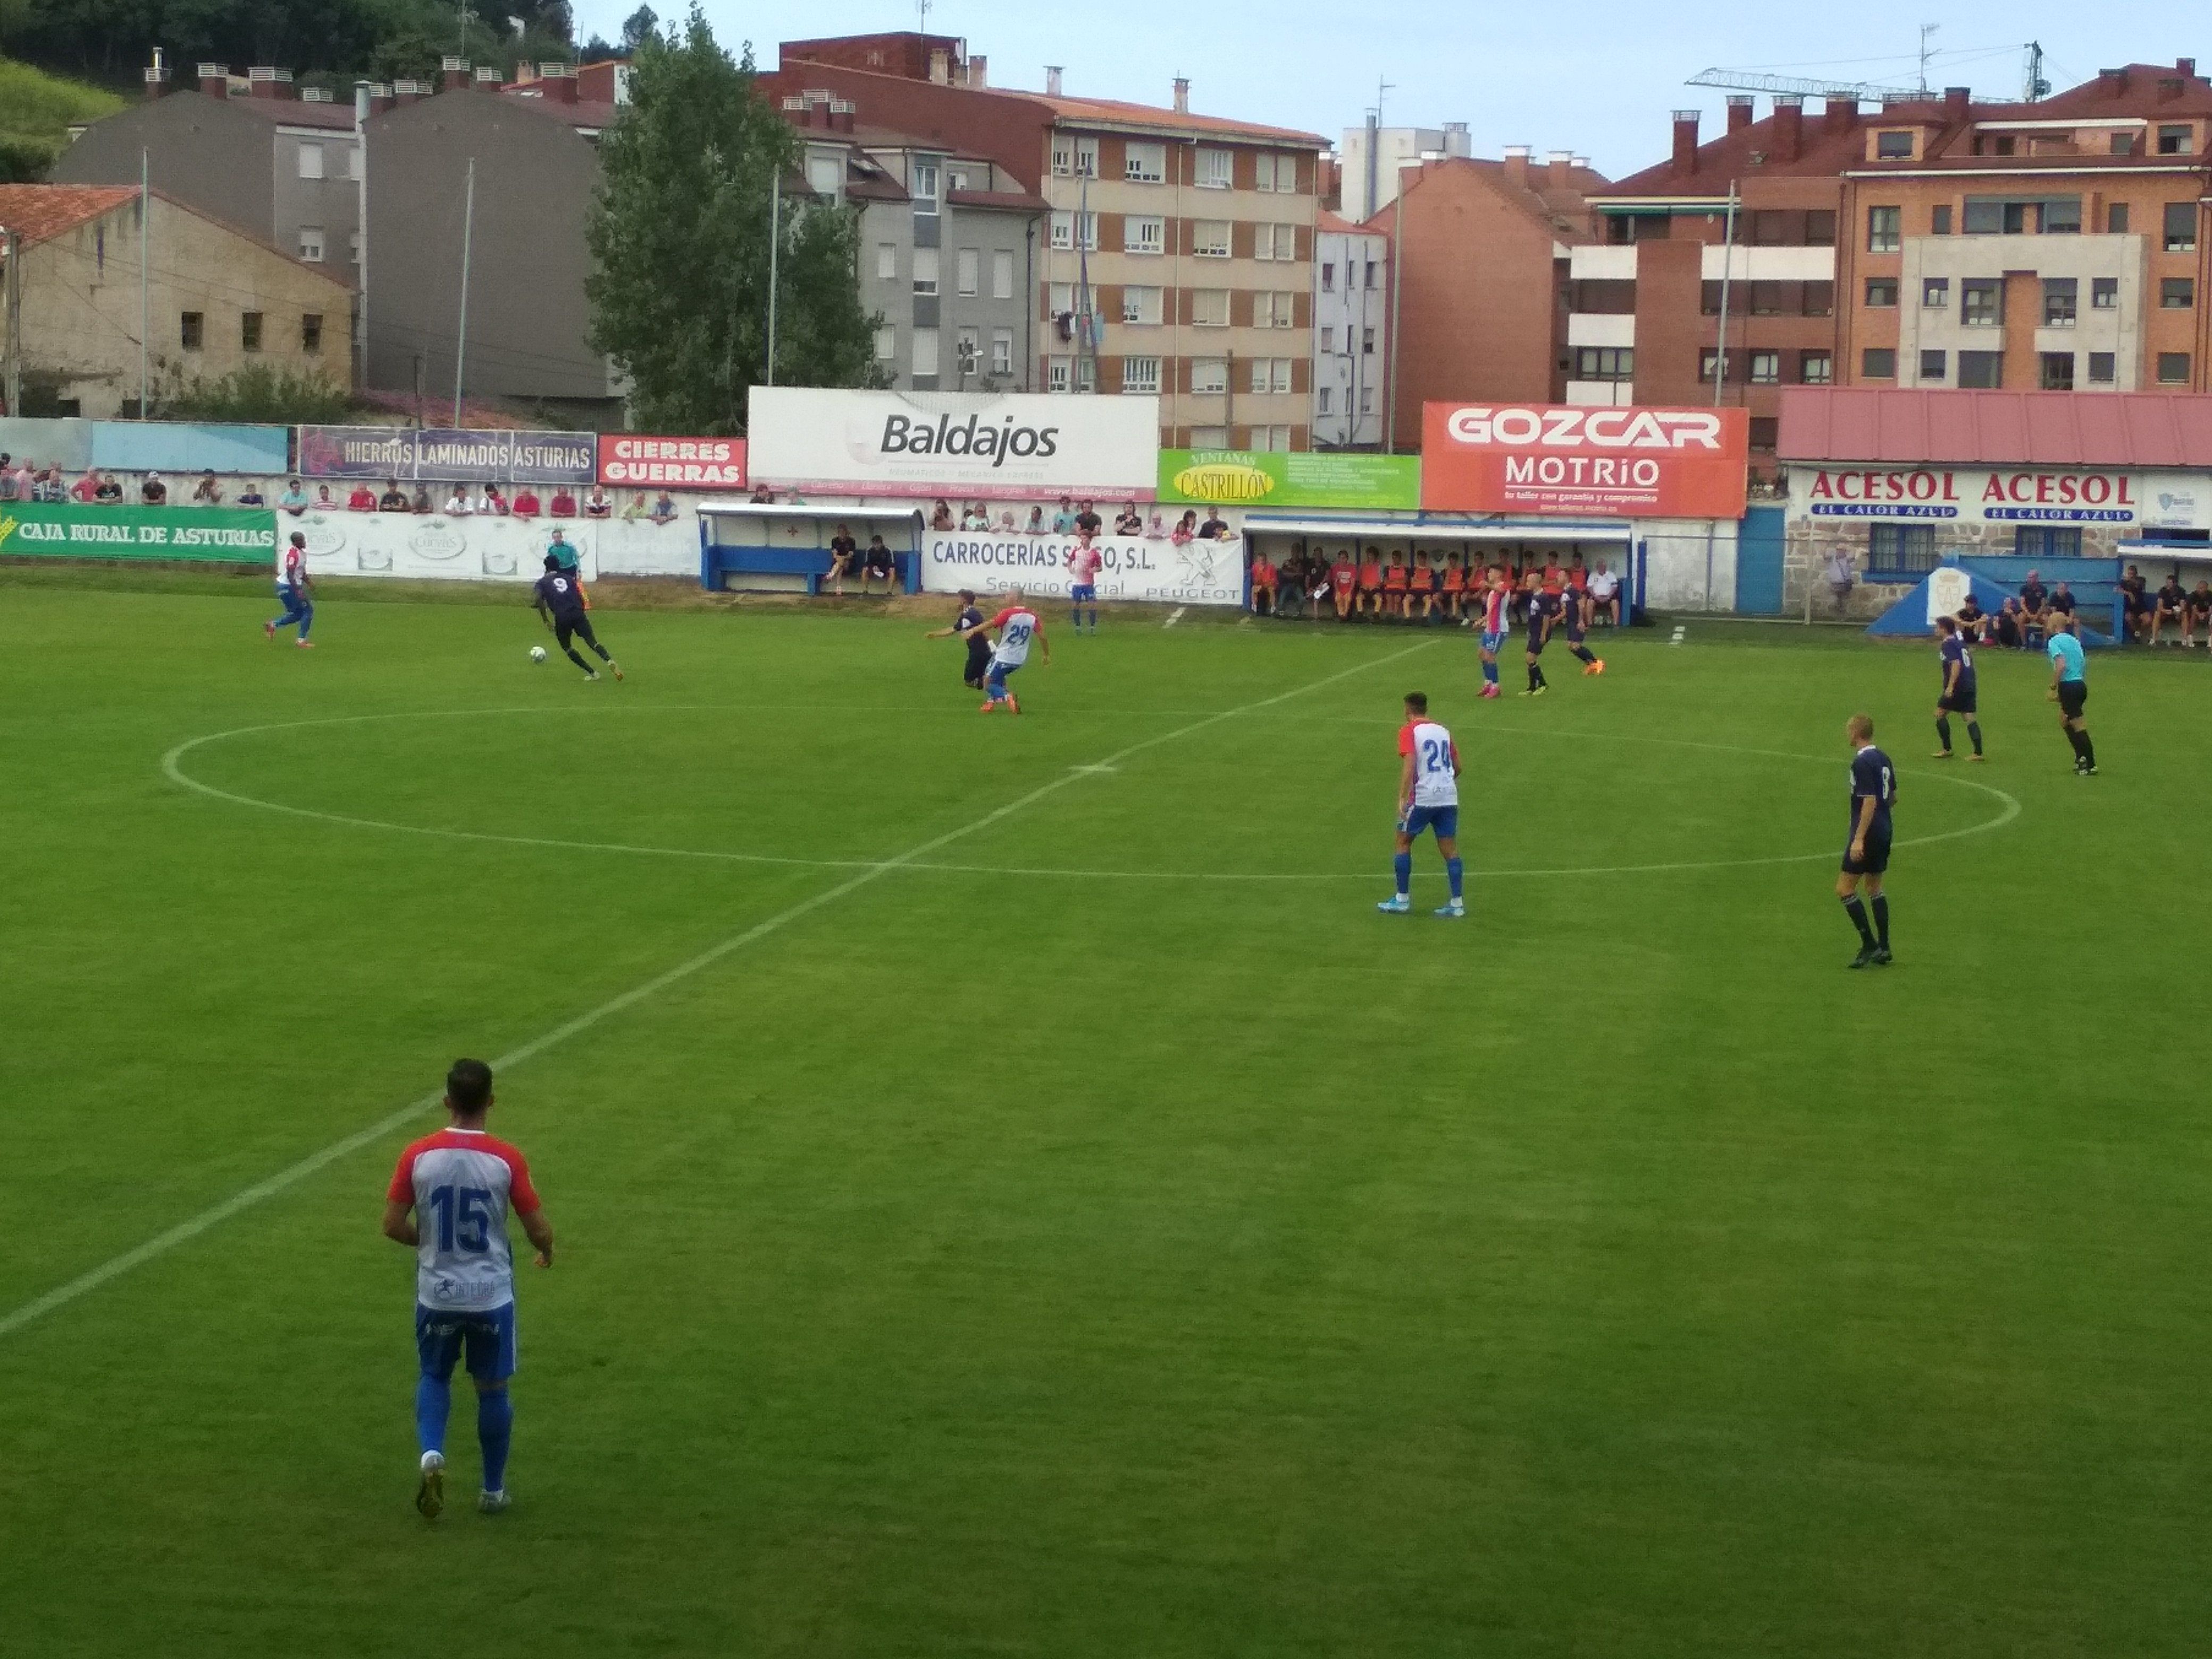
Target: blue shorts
[
  {"x": 1491, "y": 642},
  {"x": 442, "y": 1337},
  {"x": 999, "y": 671},
  {"x": 1444, "y": 820},
  {"x": 1087, "y": 593}
]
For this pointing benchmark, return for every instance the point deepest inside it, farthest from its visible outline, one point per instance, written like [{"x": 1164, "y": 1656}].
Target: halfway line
[{"x": 187, "y": 1230}]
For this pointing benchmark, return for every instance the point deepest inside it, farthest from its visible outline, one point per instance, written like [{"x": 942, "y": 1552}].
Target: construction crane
[{"x": 2033, "y": 84}]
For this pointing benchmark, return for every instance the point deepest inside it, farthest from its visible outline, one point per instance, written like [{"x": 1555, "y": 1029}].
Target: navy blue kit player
[
  {"x": 1545, "y": 608},
  {"x": 1866, "y": 853},
  {"x": 560, "y": 601},
  {"x": 1957, "y": 698},
  {"x": 968, "y": 625}
]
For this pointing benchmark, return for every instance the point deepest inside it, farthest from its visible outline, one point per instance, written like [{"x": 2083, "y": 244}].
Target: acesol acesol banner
[
  {"x": 1578, "y": 462},
  {"x": 961, "y": 446},
  {"x": 632, "y": 461},
  {"x": 1133, "y": 568},
  {"x": 65, "y": 530}
]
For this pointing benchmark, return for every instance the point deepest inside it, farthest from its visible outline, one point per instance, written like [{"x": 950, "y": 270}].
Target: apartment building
[
  {"x": 1372, "y": 157},
  {"x": 1351, "y": 333}
]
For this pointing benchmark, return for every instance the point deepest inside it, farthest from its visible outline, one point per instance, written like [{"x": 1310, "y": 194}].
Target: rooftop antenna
[
  {"x": 1374, "y": 180},
  {"x": 921, "y": 10},
  {"x": 2033, "y": 86},
  {"x": 1927, "y": 33}
]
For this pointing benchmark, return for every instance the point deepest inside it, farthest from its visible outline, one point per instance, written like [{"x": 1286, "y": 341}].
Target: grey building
[{"x": 948, "y": 249}]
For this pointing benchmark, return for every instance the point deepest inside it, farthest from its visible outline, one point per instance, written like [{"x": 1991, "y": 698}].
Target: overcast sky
[{"x": 1599, "y": 77}]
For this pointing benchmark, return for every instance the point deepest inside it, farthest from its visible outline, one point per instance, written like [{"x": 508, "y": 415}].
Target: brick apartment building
[
  {"x": 1939, "y": 242},
  {"x": 1178, "y": 254},
  {"x": 1351, "y": 333}
]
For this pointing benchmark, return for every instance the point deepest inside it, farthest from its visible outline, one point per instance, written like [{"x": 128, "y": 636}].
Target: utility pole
[
  {"x": 468, "y": 233},
  {"x": 145, "y": 271},
  {"x": 13, "y": 387},
  {"x": 1927, "y": 33},
  {"x": 1728, "y": 262},
  {"x": 1397, "y": 287},
  {"x": 774, "y": 247}
]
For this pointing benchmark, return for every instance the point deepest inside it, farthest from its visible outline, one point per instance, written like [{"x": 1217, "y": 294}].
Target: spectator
[
  {"x": 597, "y": 506},
  {"x": 393, "y": 500},
  {"x": 2034, "y": 610},
  {"x": 1186, "y": 529},
  {"x": 16, "y": 482},
  {"x": 1578, "y": 576},
  {"x": 1263, "y": 584},
  {"x": 153, "y": 492},
  {"x": 1063, "y": 522},
  {"x": 86, "y": 490},
  {"x": 974, "y": 516},
  {"x": 1006, "y": 521},
  {"x": 1036, "y": 521},
  {"x": 1974, "y": 620},
  {"x": 763, "y": 496},
  {"x": 526, "y": 502},
  {"x": 880, "y": 563},
  {"x": 324, "y": 502},
  {"x": 1215, "y": 527},
  {"x": 362, "y": 499},
  {"x": 664, "y": 508},
  {"x": 2012, "y": 623},
  {"x": 2062, "y": 601},
  {"x": 110, "y": 493},
  {"x": 1423, "y": 585},
  {"x": 1088, "y": 524},
  {"x": 843, "y": 551},
  {"x": 635, "y": 508},
  {"x": 458, "y": 505},
  {"x": 421, "y": 502},
  {"x": 1158, "y": 529},
  {"x": 1129, "y": 524},
  {"x": 493, "y": 501},
  {"x": 1370, "y": 581},
  {"x": 940, "y": 516},
  {"x": 2171, "y": 606},
  {"x": 7, "y": 476},
  {"x": 2134, "y": 602},
  {"x": 1343, "y": 583},
  {"x": 1605, "y": 596},
  {"x": 252, "y": 495},
  {"x": 1397, "y": 582},
  {"x": 1319, "y": 580},
  {"x": 208, "y": 492},
  {"x": 564, "y": 502},
  {"x": 1840, "y": 578},
  {"x": 48, "y": 487},
  {"x": 294, "y": 500},
  {"x": 2198, "y": 616}
]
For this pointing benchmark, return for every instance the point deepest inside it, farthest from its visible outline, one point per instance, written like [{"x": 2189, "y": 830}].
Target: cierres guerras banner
[
  {"x": 1550, "y": 458},
  {"x": 1014, "y": 447},
  {"x": 641, "y": 463}
]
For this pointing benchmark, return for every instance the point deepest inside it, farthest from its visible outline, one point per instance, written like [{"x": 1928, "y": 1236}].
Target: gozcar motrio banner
[
  {"x": 1578, "y": 462},
  {"x": 1132, "y": 567},
  {"x": 961, "y": 446}
]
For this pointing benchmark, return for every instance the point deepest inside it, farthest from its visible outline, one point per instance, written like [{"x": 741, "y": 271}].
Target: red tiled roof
[
  {"x": 1011, "y": 200},
  {"x": 1080, "y": 109},
  {"x": 1909, "y": 426},
  {"x": 39, "y": 212}
]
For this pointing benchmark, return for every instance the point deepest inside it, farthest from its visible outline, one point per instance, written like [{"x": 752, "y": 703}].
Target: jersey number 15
[{"x": 464, "y": 1218}]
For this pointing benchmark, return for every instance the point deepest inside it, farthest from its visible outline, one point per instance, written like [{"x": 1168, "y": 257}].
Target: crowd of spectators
[
  {"x": 1072, "y": 516},
  {"x": 1420, "y": 585}
]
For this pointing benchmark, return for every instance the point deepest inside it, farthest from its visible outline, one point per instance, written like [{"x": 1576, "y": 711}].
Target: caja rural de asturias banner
[
  {"x": 66, "y": 530},
  {"x": 1576, "y": 462},
  {"x": 1161, "y": 572}
]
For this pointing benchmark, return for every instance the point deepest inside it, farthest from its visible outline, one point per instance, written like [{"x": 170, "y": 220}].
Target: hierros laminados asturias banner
[
  {"x": 67, "y": 530},
  {"x": 1132, "y": 567}
]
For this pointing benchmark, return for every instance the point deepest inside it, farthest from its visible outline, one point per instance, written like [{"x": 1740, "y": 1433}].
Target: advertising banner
[
  {"x": 2075, "y": 495},
  {"x": 961, "y": 446},
  {"x": 1233, "y": 477},
  {"x": 67, "y": 530},
  {"x": 45, "y": 443},
  {"x": 629, "y": 460},
  {"x": 1136, "y": 568},
  {"x": 444, "y": 456},
  {"x": 435, "y": 547},
  {"x": 1583, "y": 463},
  {"x": 183, "y": 447}
]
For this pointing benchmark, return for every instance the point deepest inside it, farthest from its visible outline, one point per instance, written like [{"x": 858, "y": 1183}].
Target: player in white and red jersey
[
  {"x": 1017, "y": 626},
  {"x": 1084, "y": 561},
  {"x": 1496, "y": 594},
  {"x": 292, "y": 590},
  {"x": 449, "y": 1199},
  {"x": 1428, "y": 798}
]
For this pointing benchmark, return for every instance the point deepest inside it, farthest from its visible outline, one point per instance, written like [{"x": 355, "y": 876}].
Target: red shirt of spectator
[
  {"x": 1454, "y": 578},
  {"x": 1396, "y": 578},
  {"x": 564, "y": 504},
  {"x": 1370, "y": 574},
  {"x": 86, "y": 488},
  {"x": 1424, "y": 578},
  {"x": 363, "y": 499},
  {"x": 1263, "y": 573},
  {"x": 1341, "y": 576},
  {"x": 525, "y": 505}
]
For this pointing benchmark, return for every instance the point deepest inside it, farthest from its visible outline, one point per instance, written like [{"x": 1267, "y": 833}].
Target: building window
[
  {"x": 1766, "y": 368},
  {"x": 956, "y": 179},
  {"x": 967, "y": 352},
  {"x": 310, "y": 244},
  {"x": 1144, "y": 164},
  {"x": 1141, "y": 375},
  {"x": 249, "y": 332},
  {"x": 1615, "y": 363},
  {"x": 825, "y": 174},
  {"x": 1821, "y": 228},
  {"x": 1209, "y": 437},
  {"x": 2116, "y": 218},
  {"x": 1060, "y": 299},
  {"x": 1062, "y": 233},
  {"x": 353, "y": 247},
  {"x": 1216, "y": 169},
  {"x": 1002, "y": 352},
  {"x": 1370, "y": 273},
  {"x": 191, "y": 327},
  {"x": 1263, "y": 172},
  {"x": 1820, "y": 299},
  {"x": 2062, "y": 216},
  {"x": 1367, "y": 400},
  {"x": 1767, "y": 299},
  {"x": 1278, "y": 438},
  {"x": 1140, "y": 307},
  {"x": 2104, "y": 293},
  {"x": 2057, "y": 371},
  {"x": 2174, "y": 368},
  {"x": 1905, "y": 549},
  {"x": 2177, "y": 293},
  {"x": 1892, "y": 146},
  {"x": 1816, "y": 368},
  {"x": 1063, "y": 155},
  {"x": 1320, "y": 400},
  {"x": 1881, "y": 291},
  {"x": 886, "y": 262},
  {"x": 1710, "y": 364},
  {"x": 886, "y": 344},
  {"x": 968, "y": 271},
  {"x": 1328, "y": 341},
  {"x": 1367, "y": 343},
  {"x": 1209, "y": 307},
  {"x": 1770, "y": 227},
  {"x": 1939, "y": 220},
  {"x": 922, "y": 186},
  {"x": 2101, "y": 367},
  {"x": 1884, "y": 230},
  {"x": 1002, "y": 274},
  {"x": 311, "y": 161},
  {"x": 356, "y": 162},
  {"x": 1143, "y": 234},
  {"x": 2173, "y": 141},
  {"x": 1209, "y": 374},
  {"x": 2123, "y": 143},
  {"x": 1209, "y": 238},
  {"x": 1087, "y": 158},
  {"x": 1274, "y": 241},
  {"x": 1933, "y": 365},
  {"x": 924, "y": 352},
  {"x": 1260, "y": 374},
  {"x": 2060, "y": 296},
  {"x": 1936, "y": 293},
  {"x": 1263, "y": 310},
  {"x": 1981, "y": 370},
  {"x": 2180, "y": 227},
  {"x": 1878, "y": 363},
  {"x": 1982, "y": 302},
  {"x": 2046, "y": 541},
  {"x": 925, "y": 270},
  {"x": 1765, "y": 432},
  {"x": 1329, "y": 277},
  {"x": 1056, "y": 374},
  {"x": 311, "y": 332}
]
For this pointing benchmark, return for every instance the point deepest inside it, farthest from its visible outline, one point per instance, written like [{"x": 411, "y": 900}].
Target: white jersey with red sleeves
[
  {"x": 462, "y": 1182},
  {"x": 1082, "y": 564},
  {"x": 291, "y": 565},
  {"x": 1436, "y": 762},
  {"x": 1018, "y": 625},
  {"x": 1493, "y": 609}
]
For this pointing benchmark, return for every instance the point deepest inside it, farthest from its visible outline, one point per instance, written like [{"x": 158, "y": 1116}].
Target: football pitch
[{"x": 1015, "y": 1195}]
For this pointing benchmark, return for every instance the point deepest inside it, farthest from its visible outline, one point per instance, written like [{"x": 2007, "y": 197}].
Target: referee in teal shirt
[{"x": 2070, "y": 690}]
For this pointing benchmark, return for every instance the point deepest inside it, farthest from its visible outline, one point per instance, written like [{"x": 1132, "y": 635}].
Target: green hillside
[{"x": 36, "y": 113}]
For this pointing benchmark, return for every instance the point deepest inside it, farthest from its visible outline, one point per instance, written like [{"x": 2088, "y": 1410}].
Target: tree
[
  {"x": 638, "y": 27},
  {"x": 679, "y": 241}
]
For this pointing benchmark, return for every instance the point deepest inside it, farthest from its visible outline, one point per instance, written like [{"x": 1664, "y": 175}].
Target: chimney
[
  {"x": 381, "y": 98},
  {"x": 1956, "y": 102},
  {"x": 267, "y": 83},
  {"x": 797, "y": 110},
  {"x": 406, "y": 92},
  {"x": 940, "y": 67},
  {"x": 1456, "y": 142},
  {"x": 1558, "y": 165},
  {"x": 1052, "y": 79},
  {"x": 1183, "y": 95},
  {"x": 841, "y": 113},
  {"x": 360, "y": 109},
  {"x": 1839, "y": 114},
  {"x": 560, "y": 80},
  {"x": 2186, "y": 66},
  {"x": 157, "y": 75},
  {"x": 453, "y": 75},
  {"x": 1739, "y": 111},
  {"x": 1580, "y": 163},
  {"x": 2111, "y": 82},
  {"x": 215, "y": 81},
  {"x": 487, "y": 78},
  {"x": 1517, "y": 164},
  {"x": 1789, "y": 127},
  {"x": 314, "y": 94},
  {"x": 1686, "y": 140},
  {"x": 979, "y": 71}
]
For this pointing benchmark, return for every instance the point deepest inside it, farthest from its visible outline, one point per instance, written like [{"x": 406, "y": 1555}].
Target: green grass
[
  {"x": 1061, "y": 1265},
  {"x": 37, "y": 110}
]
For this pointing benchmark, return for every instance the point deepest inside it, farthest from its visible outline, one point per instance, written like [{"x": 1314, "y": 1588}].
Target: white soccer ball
[{"x": 537, "y": 653}]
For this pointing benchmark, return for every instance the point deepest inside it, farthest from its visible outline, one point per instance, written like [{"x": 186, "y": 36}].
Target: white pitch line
[
  {"x": 188, "y": 1230},
  {"x": 1174, "y": 616}
]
